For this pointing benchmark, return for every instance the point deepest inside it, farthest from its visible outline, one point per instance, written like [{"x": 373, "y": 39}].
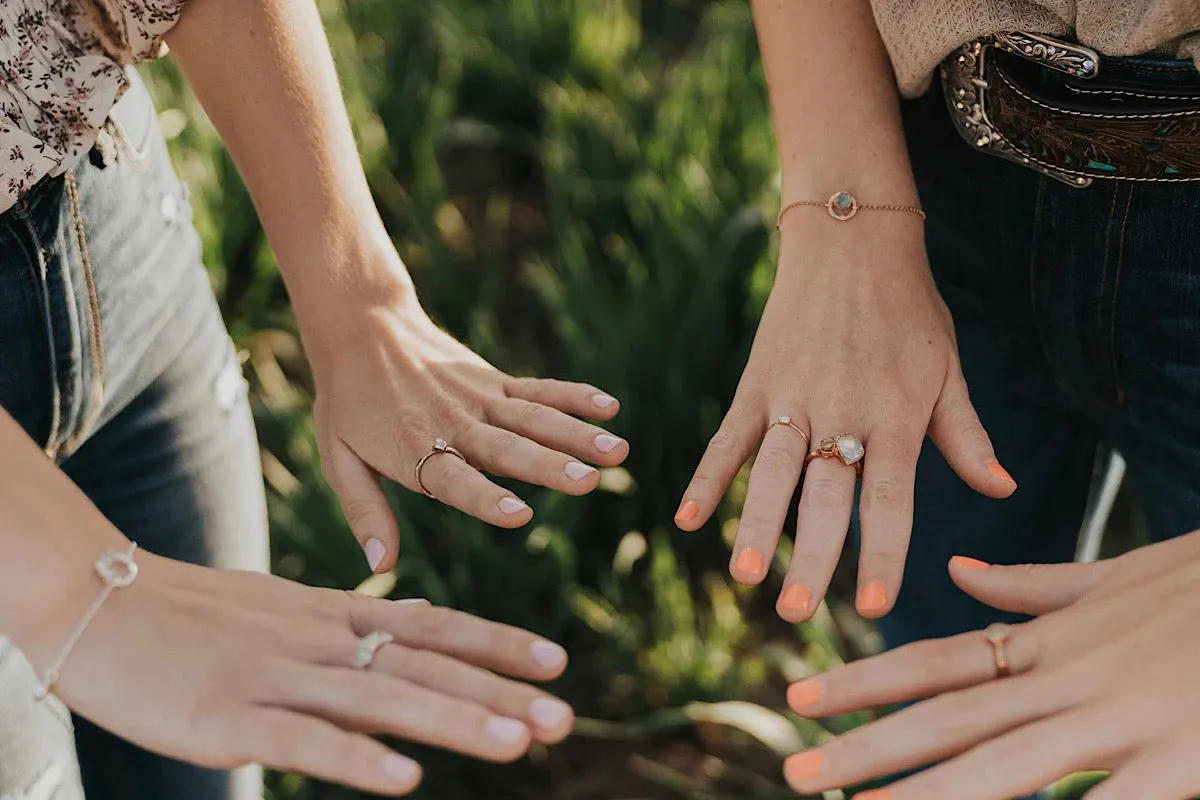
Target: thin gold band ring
[{"x": 439, "y": 447}]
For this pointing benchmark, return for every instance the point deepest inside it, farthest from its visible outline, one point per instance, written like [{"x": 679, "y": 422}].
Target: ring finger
[
  {"x": 773, "y": 480},
  {"x": 826, "y": 497},
  {"x": 456, "y": 483}
]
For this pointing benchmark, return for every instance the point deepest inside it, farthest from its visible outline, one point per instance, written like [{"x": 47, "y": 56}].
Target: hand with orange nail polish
[
  {"x": 1104, "y": 678},
  {"x": 848, "y": 344}
]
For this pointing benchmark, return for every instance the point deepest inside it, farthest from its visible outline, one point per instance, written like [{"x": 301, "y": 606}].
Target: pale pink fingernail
[
  {"x": 400, "y": 768},
  {"x": 548, "y": 654},
  {"x": 606, "y": 443},
  {"x": 412, "y": 601},
  {"x": 602, "y": 400},
  {"x": 511, "y": 505},
  {"x": 375, "y": 550},
  {"x": 576, "y": 471},
  {"x": 506, "y": 730},
  {"x": 549, "y": 713}
]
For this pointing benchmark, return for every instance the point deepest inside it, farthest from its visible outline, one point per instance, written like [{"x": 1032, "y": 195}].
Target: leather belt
[{"x": 1049, "y": 105}]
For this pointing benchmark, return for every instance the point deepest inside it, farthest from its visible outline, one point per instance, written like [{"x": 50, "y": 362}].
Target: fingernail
[
  {"x": 968, "y": 563},
  {"x": 576, "y": 471},
  {"x": 803, "y": 694},
  {"x": 375, "y": 550},
  {"x": 875, "y": 794},
  {"x": 399, "y": 768},
  {"x": 549, "y": 713},
  {"x": 872, "y": 598},
  {"x": 1000, "y": 472},
  {"x": 548, "y": 654},
  {"x": 796, "y": 598},
  {"x": 511, "y": 505},
  {"x": 803, "y": 766},
  {"x": 606, "y": 442},
  {"x": 412, "y": 601},
  {"x": 602, "y": 400},
  {"x": 506, "y": 730},
  {"x": 686, "y": 512},
  {"x": 749, "y": 561}
]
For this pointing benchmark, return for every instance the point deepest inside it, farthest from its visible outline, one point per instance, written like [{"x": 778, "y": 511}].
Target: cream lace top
[
  {"x": 920, "y": 33},
  {"x": 61, "y": 71}
]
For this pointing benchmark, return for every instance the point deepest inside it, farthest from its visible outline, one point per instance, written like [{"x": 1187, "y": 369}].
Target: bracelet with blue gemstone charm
[{"x": 844, "y": 206}]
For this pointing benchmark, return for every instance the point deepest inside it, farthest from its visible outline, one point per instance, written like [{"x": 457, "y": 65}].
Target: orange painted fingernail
[
  {"x": 803, "y": 766},
  {"x": 749, "y": 561},
  {"x": 803, "y": 694},
  {"x": 873, "y": 597},
  {"x": 968, "y": 563},
  {"x": 875, "y": 794},
  {"x": 686, "y": 512},
  {"x": 796, "y": 598},
  {"x": 1000, "y": 472}
]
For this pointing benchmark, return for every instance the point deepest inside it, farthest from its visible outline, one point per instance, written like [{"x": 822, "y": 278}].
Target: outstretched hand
[{"x": 1104, "y": 678}]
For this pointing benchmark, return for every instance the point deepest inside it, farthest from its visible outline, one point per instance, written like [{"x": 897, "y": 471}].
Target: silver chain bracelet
[{"x": 117, "y": 569}]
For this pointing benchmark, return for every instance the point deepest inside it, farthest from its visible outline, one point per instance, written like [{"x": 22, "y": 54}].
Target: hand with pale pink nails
[
  {"x": 855, "y": 339},
  {"x": 1103, "y": 679},
  {"x": 223, "y": 669},
  {"x": 390, "y": 383}
]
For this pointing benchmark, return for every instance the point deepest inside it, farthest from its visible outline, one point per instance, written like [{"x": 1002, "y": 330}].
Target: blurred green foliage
[{"x": 581, "y": 189}]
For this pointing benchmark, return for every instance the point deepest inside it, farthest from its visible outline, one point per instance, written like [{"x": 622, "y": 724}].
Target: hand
[
  {"x": 390, "y": 382},
  {"x": 1105, "y": 680},
  {"x": 228, "y": 668},
  {"x": 854, "y": 339}
]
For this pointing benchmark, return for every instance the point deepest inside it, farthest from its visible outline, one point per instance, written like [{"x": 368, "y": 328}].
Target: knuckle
[
  {"x": 824, "y": 492},
  {"x": 887, "y": 560},
  {"x": 529, "y": 415},
  {"x": 884, "y": 494},
  {"x": 725, "y": 440},
  {"x": 777, "y": 459},
  {"x": 359, "y": 511},
  {"x": 500, "y": 444}
]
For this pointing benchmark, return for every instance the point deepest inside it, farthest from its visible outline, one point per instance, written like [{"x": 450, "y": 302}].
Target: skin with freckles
[
  {"x": 854, "y": 337},
  {"x": 1103, "y": 679}
]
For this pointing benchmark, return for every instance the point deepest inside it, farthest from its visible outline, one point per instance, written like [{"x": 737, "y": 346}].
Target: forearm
[
  {"x": 50, "y": 535},
  {"x": 263, "y": 71},
  {"x": 834, "y": 101}
]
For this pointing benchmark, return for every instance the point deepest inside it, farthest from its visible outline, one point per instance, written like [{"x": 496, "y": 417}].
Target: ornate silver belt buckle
[
  {"x": 964, "y": 83},
  {"x": 1073, "y": 59}
]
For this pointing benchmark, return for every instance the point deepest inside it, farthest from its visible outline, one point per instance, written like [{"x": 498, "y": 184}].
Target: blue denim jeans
[
  {"x": 114, "y": 358},
  {"x": 1077, "y": 313}
]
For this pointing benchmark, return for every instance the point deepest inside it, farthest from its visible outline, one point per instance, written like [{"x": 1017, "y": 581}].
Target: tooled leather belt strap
[{"x": 1083, "y": 124}]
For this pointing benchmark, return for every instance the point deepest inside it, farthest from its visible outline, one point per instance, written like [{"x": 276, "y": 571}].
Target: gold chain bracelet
[{"x": 843, "y": 206}]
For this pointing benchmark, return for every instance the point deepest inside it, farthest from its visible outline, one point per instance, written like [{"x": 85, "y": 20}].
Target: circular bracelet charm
[{"x": 842, "y": 206}]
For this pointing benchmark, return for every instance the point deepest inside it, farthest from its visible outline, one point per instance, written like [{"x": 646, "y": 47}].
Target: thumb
[
  {"x": 956, "y": 430},
  {"x": 1026, "y": 588},
  {"x": 365, "y": 506}
]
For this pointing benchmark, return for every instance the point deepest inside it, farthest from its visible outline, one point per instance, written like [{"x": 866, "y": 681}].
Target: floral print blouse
[{"x": 62, "y": 67}]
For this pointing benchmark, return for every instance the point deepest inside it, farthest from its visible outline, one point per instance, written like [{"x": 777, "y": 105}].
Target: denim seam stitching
[
  {"x": 1112, "y": 213},
  {"x": 35, "y": 260},
  {"x": 1112, "y": 333}
]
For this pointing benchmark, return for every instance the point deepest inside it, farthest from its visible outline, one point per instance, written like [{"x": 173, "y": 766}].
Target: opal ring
[
  {"x": 845, "y": 447},
  {"x": 787, "y": 421},
  {"x": 439, "y": 447},
  {"x": 997, "y": 636},
  {"x": 368, "y": 646}
]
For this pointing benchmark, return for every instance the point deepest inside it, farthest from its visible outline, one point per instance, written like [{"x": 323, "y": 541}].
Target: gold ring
[
  {"x": 439, "y": 447},
  {"x": 843, "y": 446},
  {"x": 788, "y": 422},
  {"x": 997, "y": 636}
]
